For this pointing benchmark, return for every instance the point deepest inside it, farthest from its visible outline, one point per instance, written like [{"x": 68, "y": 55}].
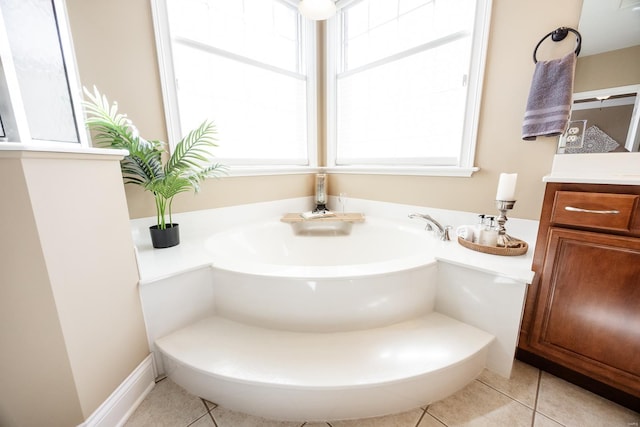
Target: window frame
[
  {"x": 15, "y": 121},
  {"x": 170, "y": 97},
  {"x": 465, "y": 166}
]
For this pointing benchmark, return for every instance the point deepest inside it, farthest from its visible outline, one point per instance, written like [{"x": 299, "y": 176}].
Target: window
[
  {"x": 404, "y": 81},
  {"x": 248, "y": 65},
  {"x": 39, "y": 86}
]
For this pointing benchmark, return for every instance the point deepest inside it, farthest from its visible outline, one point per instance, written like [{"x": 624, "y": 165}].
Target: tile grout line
[
  {"x": 424, "y": 411},
  {"x": 537, "y": 398},
  {"x": 510, "y": 397},
  {"x": 535, "y": 402},
  {"x": 213, "y": 419},
  {"x": 209, "y": 410},
  {"x": 199, "y": 418},
  {"x": 434, "y": 417}
]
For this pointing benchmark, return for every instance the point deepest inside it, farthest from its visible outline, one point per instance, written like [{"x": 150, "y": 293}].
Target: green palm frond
[
  {"x": 171, "y": 185},
  {"x": 143, "y": 162},
  {"x": 141, "y": 170},
  {"x": 111, "y": 129},
  {"x": 211, "y": 171},
  {"x": 193, "y": 152},
  {"x": 190, "y": 163}
]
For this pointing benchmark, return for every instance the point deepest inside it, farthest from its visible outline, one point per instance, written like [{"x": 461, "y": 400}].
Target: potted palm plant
[{"x": 190, "y": 162}]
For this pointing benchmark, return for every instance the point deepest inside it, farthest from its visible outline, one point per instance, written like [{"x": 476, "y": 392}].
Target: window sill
[
  {"x": 270, "y": 170},
  {"x": 453, "y": 171},
  {"x": 264, "y": 170},
  {"x": 57, "y": 150}
]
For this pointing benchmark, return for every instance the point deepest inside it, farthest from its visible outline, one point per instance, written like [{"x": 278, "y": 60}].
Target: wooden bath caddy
[
  {"x": 346, "y": 217},
  {"x": 520, "y": 248}
]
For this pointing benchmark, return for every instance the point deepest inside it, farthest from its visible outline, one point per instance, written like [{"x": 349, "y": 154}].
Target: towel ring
[{"x": 557, "y": 35}]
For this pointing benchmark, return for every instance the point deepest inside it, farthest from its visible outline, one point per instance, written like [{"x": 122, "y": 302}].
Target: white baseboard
[{"x": 125, "y": 399}]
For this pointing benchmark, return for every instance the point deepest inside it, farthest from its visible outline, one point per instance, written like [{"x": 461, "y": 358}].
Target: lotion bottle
[
  {"x": 477, "y": 230},
  {"x": 490, "y": 232}
]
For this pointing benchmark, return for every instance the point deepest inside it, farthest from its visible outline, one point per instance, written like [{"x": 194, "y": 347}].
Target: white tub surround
[
  {"x": 250, "y": 316},
  {"x": 195, "y": 226}
]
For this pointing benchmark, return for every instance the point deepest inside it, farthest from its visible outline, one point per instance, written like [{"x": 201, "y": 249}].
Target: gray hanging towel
[{"x": 549, "y": 103}]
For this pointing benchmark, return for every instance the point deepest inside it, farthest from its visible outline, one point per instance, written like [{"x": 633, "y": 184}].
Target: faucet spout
[{"x": 440, "y": 231}]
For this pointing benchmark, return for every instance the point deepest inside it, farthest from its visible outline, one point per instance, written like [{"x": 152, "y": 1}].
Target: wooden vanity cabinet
[{"x": 582, "y": 313}]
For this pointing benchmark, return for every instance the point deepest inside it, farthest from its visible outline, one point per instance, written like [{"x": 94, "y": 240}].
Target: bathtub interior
[
  {"x": 322, "y": 228},
  {"x": 277, "y": 243}
]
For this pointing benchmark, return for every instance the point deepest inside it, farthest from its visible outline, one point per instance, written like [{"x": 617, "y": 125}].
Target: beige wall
[
  {"x": 121, "y": 60},
  {"x": 72, "y": 327},
  {"x": 34, "y": 364},
  {"x": 227, "y": 191}
]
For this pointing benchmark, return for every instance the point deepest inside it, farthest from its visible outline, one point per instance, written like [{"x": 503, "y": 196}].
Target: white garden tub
[
  {"x": 265, "y": 274},
  {"x": 332, "y": 326}
]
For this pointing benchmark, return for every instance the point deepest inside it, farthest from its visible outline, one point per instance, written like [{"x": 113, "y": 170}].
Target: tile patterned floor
[{"x": 531, "y": 398}]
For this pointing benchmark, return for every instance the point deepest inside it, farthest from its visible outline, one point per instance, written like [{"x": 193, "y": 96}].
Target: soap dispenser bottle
[
  {"x": 490, "y": 232},
  {"x": 477, "y": 230}
]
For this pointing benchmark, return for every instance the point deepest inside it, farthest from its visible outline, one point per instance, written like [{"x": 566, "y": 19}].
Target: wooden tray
[
  {"x": 348, "y": 217},
  {"x": 521, "y": 249}
]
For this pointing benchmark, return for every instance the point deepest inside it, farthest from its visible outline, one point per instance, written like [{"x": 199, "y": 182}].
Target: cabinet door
[{"x": 588, "y": 311}]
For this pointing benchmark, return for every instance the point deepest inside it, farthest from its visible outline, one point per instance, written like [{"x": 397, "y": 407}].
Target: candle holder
[{"x": 504, "y": 240}]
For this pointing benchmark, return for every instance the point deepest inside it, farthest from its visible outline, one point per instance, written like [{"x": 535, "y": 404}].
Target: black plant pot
[{"x": 165, "y": 238}]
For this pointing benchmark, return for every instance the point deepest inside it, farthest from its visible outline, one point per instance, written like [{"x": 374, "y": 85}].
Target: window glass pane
[
  {"x": 239, "y": 63},
  {"x": 402, "y": 85},
  {"x": 39, "y": 65},
  {"x": 260, "y": 114},
  {"x": 377, "y": 29},
  {"x": 414, "y": 107},
  {"x": 382, "y": 12},
  {"x": 266, "y": 31},
  {"x": 405, "y": 6}
]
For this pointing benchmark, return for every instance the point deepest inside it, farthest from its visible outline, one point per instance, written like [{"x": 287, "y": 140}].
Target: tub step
[{"x": 325, "y": 376}]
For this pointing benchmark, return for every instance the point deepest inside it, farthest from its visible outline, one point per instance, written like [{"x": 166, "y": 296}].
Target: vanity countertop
[{"x": 596, "y": 168}]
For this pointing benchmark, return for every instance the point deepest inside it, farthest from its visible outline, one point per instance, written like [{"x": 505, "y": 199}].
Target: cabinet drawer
[{"x": 594, "y": 210}]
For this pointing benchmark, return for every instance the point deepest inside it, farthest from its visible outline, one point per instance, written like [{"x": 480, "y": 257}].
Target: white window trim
[
  {"x": 170, "y": 97},
  {"x": 465, "y": 167},
  {"x": 13, "y": 111}
]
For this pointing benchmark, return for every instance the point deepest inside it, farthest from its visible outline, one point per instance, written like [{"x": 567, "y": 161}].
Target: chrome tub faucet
[{"x": 440, "y": 231}]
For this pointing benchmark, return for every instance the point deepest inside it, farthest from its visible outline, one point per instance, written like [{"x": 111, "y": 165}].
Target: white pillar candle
[{"x": 507, "y": 186}]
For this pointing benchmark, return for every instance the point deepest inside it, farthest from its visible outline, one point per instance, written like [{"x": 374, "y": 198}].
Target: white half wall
[{"x": 489, "y": 302}]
